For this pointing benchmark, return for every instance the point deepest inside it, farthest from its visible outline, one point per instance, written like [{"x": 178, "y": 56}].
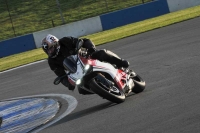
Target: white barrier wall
[
  {"x": 75, "y": 29},
  {"x": 175, "y": 5}
]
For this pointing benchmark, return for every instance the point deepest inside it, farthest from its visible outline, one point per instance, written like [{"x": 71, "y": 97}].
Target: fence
[{"x": 19, "y": 17}]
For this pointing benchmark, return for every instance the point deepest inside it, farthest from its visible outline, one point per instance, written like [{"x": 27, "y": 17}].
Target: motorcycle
[{"x": 95, "y": 77}]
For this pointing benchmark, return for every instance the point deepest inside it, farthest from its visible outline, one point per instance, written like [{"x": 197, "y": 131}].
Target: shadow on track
[{"x": 85, "y": 112}]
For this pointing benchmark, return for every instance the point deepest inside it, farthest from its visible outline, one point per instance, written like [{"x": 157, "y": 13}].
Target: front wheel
[{"x": 113, "y": 94}]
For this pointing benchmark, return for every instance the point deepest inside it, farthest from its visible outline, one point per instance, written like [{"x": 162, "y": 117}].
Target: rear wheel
[
  {"x": 139, "y": 84},
  {"x": 113, "y": 94}
]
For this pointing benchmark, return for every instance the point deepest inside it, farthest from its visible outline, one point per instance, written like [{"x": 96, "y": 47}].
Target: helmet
[{"x": 50, "y": 46}]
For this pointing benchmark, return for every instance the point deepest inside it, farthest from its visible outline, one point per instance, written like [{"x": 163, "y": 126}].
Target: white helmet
[{"x": 50, "y": 45}]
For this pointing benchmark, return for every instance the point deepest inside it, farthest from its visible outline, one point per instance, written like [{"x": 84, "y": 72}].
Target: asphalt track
[{"x": 168, "y": 59}]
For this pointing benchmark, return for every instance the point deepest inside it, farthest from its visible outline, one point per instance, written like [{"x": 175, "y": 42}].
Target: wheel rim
[{"x": 113, "y": 90}]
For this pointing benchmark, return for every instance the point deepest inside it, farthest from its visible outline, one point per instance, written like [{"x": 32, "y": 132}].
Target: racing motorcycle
[{"x": 101, "y": 78}]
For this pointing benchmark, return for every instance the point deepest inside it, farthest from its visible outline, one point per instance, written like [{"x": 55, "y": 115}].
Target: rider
[{"x": 58, "y": 49}]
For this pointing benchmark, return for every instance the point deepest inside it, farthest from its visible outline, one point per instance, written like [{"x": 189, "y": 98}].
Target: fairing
[
  {"x": 70, "y": 64},
  {"x": 118, "y": 75}
]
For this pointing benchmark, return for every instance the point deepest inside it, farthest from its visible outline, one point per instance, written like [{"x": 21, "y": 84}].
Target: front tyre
[{"x": 113, "y": 94}]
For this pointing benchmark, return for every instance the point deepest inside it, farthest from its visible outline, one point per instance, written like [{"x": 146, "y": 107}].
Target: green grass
[
  {"x": 30, "y": 16},
  {"x": 107, "y": 36}
]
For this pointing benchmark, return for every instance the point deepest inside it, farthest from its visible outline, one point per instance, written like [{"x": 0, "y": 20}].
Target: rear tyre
[
  {"x": 139, "y": 84},
  {"x": 114, "y": 94}
]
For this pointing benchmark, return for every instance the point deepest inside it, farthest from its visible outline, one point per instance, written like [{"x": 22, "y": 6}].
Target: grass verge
[
  {"x": 46, "y": 14},
  {"x": 107, "y": 36}
]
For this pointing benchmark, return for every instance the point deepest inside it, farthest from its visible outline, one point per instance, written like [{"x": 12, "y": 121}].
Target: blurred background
[{"x": 19, "y": 17}]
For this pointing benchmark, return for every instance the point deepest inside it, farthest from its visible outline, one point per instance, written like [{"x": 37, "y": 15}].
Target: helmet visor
[{"x": 51, "y": 50}]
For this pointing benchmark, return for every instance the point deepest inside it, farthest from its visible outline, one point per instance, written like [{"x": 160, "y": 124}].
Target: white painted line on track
[
  {"x": 22, "y": 66},
  {"x": 72, "y": 103}
]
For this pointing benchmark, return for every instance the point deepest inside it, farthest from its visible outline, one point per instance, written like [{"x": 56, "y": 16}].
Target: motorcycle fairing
[
  {"x": 118, "y": 75},
  {"x": 70, "y": 64},
  {"x": 121, "y": 78}
]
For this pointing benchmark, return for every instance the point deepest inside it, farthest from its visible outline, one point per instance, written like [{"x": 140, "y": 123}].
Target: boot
[{"x": 124, "y": 63}]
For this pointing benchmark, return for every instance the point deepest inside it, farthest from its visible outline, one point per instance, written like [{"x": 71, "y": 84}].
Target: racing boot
[{"x": 124, "y": 63}]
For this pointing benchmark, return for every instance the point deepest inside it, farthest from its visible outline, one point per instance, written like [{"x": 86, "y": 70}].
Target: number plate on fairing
[{"x": 78, "y": 74}]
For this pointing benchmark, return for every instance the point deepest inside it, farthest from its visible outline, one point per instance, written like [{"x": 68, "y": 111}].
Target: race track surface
[{"x": 168, "y": 59}]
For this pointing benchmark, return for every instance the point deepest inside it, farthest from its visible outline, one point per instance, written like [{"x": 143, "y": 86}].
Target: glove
[
  {"x": 83, "y": 53},
  {"x": 91, "y": 51}
]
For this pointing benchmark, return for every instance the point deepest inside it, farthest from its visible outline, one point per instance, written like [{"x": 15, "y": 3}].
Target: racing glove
[
  {"x": 83, "y": 53},
  {"x": 90, "y": 51}
]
